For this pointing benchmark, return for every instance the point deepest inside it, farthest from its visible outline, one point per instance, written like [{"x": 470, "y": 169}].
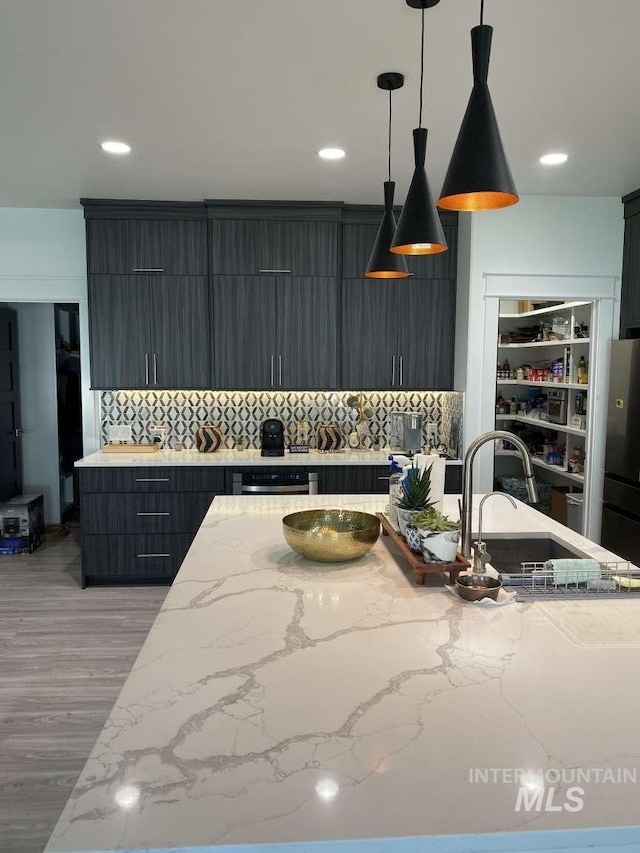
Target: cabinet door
[
  {"x": 370, "y": 309},
  {"x": 304, "y": 247},
  {"x": 630, "y": 303},
  {"x": 307, "y": 320},
  {"x": 119, "y": 331},
  {"x": 270, "y": 246},
  {"x": 427, "y": 334},
  {"x": 180, "y": 340},
  {"x": 244, "y": 331},
  {"x": 160, "y": 245}
]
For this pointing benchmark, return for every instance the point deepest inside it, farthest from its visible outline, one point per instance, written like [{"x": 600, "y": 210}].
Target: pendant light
[
  {"x": 419, "y": 230},
  {"x": 479, "y": 177},
  {"x": 382, "y": 262}
]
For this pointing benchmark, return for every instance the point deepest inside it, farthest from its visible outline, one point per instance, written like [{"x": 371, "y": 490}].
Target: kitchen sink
[{"x": 508, "y": 554}]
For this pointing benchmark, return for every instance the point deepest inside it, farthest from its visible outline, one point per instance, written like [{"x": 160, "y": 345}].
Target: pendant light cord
[
  {"x": 390, "y": 132},
  {"x": 481, "y": 12},
  {"x": 422, "y": 67}
]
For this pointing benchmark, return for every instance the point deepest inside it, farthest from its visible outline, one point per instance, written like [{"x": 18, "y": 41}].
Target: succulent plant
[
  {"x": 435, "y": 522},
  {"x": 416, "y": 489}
]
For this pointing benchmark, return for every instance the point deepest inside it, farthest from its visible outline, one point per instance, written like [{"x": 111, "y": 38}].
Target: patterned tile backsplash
[{"x": 240, "y": 413}]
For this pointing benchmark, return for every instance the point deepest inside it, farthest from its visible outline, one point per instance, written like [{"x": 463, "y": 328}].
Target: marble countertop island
[{"x": 278, "y": 701}]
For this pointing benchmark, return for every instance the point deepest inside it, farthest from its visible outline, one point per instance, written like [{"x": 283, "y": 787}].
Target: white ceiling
[{"x": 232, "y": 99}]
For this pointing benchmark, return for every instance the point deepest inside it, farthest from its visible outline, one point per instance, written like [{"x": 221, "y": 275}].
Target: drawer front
[
  {"x": 353, "y": 480},
  {"x": 134, "y": 558},
  {"x": 122, "y": 513},
  {"x": 152, "y": 480}
]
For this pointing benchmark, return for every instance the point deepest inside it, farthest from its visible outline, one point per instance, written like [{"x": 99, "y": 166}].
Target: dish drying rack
[{"x": 611, "y": 580}]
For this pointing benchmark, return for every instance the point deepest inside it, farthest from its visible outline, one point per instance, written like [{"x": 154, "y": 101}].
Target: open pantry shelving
[{"x": 568, "y": 326}]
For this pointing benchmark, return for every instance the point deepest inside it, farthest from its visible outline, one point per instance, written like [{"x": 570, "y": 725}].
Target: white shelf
[
  {"x": 539, "y": 463},
  {"x": 542, "y": 424},
  {"x": 566, "y": 306},
  {"x": 573, "y": 385},
  {"x": 536, "y": 344}
]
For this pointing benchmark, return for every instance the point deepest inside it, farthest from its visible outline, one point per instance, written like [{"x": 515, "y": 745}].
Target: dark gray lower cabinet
[
  {"x": 138, "y": 523},
  {"x": 244, "y": 331}
]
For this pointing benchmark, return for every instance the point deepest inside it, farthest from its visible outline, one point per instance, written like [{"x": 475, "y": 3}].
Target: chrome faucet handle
[{"x": 480, "y": 557}]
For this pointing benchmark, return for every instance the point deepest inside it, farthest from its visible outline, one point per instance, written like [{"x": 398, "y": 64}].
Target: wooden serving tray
[
  {"x": 130, "y": 448},
  {"x": 417, "y": 561}
]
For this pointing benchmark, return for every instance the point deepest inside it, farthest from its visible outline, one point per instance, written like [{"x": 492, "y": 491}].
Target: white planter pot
[
  {"x": 440, "y": 547},
  {"x": 406, "y": 516}
]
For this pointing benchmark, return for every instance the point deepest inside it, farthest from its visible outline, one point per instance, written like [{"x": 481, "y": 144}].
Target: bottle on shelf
[
  {"x": 583, "y": 371},
  {"x": 513, "y": 406}
]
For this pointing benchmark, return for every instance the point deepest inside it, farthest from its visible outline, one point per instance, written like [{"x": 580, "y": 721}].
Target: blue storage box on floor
[{"x": 21, "y": 524}]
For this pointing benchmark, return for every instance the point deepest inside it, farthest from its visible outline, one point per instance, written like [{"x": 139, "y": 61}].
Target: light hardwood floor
[{"x": 64, "y": 655}]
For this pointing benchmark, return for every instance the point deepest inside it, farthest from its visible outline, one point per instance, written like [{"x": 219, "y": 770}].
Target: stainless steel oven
[{"x": 279, "y": 482}]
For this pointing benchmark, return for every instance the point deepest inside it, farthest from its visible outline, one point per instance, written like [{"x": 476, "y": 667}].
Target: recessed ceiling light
[
  {"x": 556, "y": 159},
  {"x": 332, "y": 153},
  {"x": 113, "y": 147}
]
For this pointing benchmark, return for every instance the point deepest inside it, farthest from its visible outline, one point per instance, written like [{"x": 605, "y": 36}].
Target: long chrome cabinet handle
[
  {"x": 153, "y": 480},
  {"x": 272, "y": 370},
  {"x": 146, "y": 368},
  {"x": 280, "y": 370},
  {"x": 148, "y": 269},
  {"x": 275, "y": 272},
  {"x": 153, "y": 513},
  {"x": 393, "y": 372},
  {"x": 153, "y": 555},
  {"x": 401, "y": 359},
  {"x": 155, "y": 369}
]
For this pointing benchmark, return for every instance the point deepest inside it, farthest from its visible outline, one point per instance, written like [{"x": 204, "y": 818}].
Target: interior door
[
  {"x": 244, "y": 331},
  {"x": 370, "y": 311},
  {"x": 180, "y": 338},
  {"x": 307, "y": 311},
  {"x": 120, "y": 331},
  {"x": 10, "y": 441}
]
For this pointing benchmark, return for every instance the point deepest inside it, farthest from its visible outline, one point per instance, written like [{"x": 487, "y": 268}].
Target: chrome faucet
[
  {"x": 467, "y": 479},
  {"x": 480, "y": 555}
]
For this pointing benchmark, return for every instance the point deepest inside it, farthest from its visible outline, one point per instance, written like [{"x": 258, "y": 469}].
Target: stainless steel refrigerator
[{"x": 621, "y": 510}]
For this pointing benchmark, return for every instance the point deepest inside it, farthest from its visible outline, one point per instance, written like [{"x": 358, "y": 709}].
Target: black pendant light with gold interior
[
  {"x": 419, "y": 230},
  {"x": 382, "y": 262},
  {"x": 479, "y": 177}
]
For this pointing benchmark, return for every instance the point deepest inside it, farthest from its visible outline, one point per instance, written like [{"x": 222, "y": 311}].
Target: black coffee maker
[{"x": 272, "y": 437}]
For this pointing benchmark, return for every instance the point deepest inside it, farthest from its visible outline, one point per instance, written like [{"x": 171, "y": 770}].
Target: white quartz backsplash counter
[{"x": 236, "y": 459}]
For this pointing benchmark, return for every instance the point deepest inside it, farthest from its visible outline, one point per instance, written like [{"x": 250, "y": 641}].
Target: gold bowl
[{"x": 331, "y": 535}]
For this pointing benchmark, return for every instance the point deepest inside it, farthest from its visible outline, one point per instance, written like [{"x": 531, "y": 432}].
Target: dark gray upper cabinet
[
  {"x": 307, "y": 332},
  {"x": 369, "y": 353},
  {"x": 179, "y": 314},
  {"x": 272, "y": 247},
  {"x": 244, "y": 331},
  {"x": 142, "y": 245},
  {"x": 119, "y": 331},
  {"x": 149, "y": 331},
  {"x": 358, "y": 240},
  {"x": 398, "y": 334},
  {"x": 426, "y": 341},
  {"x": 630, "y": 298}
]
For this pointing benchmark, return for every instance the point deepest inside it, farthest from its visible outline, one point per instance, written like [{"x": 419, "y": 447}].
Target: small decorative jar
[
  {"x": 208, "y": 438},
  {"x": 329, "y": 437}
]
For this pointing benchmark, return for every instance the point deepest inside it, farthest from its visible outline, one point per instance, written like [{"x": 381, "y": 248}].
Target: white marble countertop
[
  {"x": 236, "y": 458},
  {"x": 277, "y": 701}
]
